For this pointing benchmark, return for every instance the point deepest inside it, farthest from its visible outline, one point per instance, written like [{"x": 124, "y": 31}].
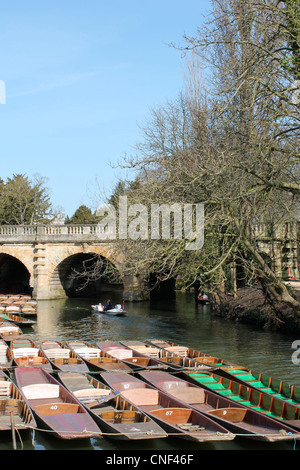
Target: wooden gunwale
[
  {"x": 177, "y": 420},
  {"x": 162, "y": 358},
  {"x": 17, "y": 319},
  {"x": 69, "y": 361},
  {"x": 277, "y": 388},
  {"x": 115, "y": 416},
  {"x": 55, "y": 408},
  {"x": 9, "y": 331},
  {"x": 5, "y": 353},
  {"x": 101, "y": 361},
  {"x": 252, "y": 398},
  {"x": 129, "y": 356},
  {"x": 12, "y": 401},
  {"x": 235, "y": 417},
  {"x": 23, "y": 352},
  {"x": 196, "y": 357}
]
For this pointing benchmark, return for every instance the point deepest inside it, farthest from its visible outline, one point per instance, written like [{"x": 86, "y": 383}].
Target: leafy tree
[
  {"x": 82, "y": 215},
  {"x": 24, "y": 202}
]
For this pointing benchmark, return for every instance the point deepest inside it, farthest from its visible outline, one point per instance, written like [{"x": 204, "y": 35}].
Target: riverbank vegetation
[{"x": 230, "y": 141}]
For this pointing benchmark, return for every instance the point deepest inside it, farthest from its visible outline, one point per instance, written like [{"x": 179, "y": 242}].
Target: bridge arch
[
  {"x": 15, "y": 277},
  {"x": 77, "y": 275}
]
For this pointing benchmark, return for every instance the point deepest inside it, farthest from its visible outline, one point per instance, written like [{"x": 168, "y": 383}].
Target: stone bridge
[{"x": 40, "y": 258}]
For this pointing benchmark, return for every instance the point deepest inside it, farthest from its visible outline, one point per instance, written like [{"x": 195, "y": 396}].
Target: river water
[{"x": 179, "y": 320}]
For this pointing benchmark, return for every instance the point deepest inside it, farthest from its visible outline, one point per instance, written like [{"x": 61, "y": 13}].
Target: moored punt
[
  {"x": 9, "y": 331},
  {"x": 193, "y": 354},
  {"x": 118, "y": 351},
  {"x": 233, "y": 416},
  {"x": 53, "y": 406},
  {"x": 6, "y": 358},
  {"x": 252, "y": 398},
  {"x": 17, "y": 320},
  {"x": 28, "y": 309},
  {"x": 26, "y": 353},
  {"x": 114, "y": 415},
  {"x": 63, "y": 358},
  {"x": 175, "y": 418},
  {"x": 164, "y": 359},
  {"x": 14, "y": 308},
  {"x": 14, "y": 411},
  {"x": 133, "y": 358},
  {"x": 263, "y": 382},
  {"x": 96, "y": 359}
]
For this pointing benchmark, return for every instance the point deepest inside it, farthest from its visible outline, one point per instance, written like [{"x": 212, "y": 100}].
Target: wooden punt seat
[
  {"x": 3, "y": 353},
  {"x": 140, "y": 361},
  {"x": 3, "y": 357},
  {"x": 206, "y": 359},
  {"x": 58, "y": 353},
  {"x": 5, "y": 387},
  {"x": 141, "y": 396},
  {"x": 41, "y": 391},
  {"x": 22, "y": 352},
  {"x": 177, "y": 416},
  {"x": 57, "y": 408},
  {"x": 96, "y": 392},
  {"x": 234, "y": 415},
  {"x": 7, "y": 407},
  {"x": 125, "y": 416},
  {"x": 88, "y": 353},
  {"x": 31, "y": 360},
  {"x": 178, "y": 350},
  {"x": 8, "y": 328},
  {"x": 190, "y": 395},
  {"x": 148, "y": 351},
  {"x": 121, "y": 353},
  {"x": 88, "y": 394}
]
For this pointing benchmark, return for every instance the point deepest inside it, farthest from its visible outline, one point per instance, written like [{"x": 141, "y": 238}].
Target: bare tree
[{"x": 231, "y": 144}]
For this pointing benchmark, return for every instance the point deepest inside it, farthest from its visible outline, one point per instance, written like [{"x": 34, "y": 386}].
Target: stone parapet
[{"x": 52, "y": 233}]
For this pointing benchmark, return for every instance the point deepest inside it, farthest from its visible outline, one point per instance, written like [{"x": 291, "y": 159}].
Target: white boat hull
[{"x": 113, "y": 311}]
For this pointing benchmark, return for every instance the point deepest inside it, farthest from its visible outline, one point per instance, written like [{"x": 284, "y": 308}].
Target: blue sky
[{"x": 80, "y": 77}]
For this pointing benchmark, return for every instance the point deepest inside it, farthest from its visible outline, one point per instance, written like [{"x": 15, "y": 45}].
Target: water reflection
[{"x": 179, "y": 320}]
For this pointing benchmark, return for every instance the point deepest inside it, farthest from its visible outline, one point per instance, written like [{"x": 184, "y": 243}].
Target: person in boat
[
  {"x": 202, "y": 296},
  {"x": 108, "y": 305}
]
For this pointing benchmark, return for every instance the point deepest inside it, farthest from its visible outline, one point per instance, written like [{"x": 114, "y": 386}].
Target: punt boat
[
  {"x": 263, "y": 382},
  {"x": 132, "y": 357},
  {"x": 9, "y": 331},
  {"x": 117, "y": 310},
  {"x": 54, "y": 407},
  {"x": 194, "y": 355},
  {"x": 14, "y": 411},
  {"x": 166, "y": 358},
  {"x": 17, "y": 319},
  {"x": 6, "y": 358},
  {"x": 125, "y": 355},
  {"x": 175, "y": 418},
  {"x": 115, "y": 416},
  {"x": 255, "y": 399},
  {"x": 26, "y": 353},
  {"x": 96, "y": 359},
  {"x": 63, "y": 358},
  {"x": 233, "y": 416}
]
